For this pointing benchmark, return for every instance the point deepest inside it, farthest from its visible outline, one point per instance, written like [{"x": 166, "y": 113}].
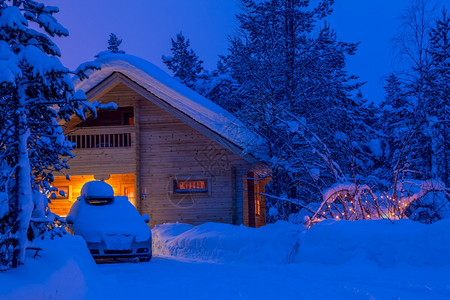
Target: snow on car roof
[
  {"x": 165, "y": 87},
  {"x": 97, "y": 190}
]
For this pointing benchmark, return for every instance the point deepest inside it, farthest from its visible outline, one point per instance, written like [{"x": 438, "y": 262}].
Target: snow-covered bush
[
  {"x": 419, "y": 200},
  {"x": 432, "y": 206}
]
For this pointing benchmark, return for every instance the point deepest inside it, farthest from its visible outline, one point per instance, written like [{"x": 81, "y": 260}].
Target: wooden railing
[{"x": 102, "y": 137}]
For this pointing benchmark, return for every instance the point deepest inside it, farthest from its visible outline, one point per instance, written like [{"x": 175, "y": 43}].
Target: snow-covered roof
[{"x": 167, "y": 88}]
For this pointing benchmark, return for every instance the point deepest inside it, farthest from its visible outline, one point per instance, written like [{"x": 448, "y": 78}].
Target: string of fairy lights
[{"x": 352, "y": 208}]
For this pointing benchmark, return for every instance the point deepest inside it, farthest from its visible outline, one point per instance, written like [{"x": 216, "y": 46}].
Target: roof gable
[{"x": 172, "y": 96}]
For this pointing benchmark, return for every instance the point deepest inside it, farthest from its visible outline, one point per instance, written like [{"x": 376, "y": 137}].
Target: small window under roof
[{"x": 121, "y": 116}]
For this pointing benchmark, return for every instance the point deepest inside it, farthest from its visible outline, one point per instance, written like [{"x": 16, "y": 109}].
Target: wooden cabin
[{"x": 176, "y": 155}]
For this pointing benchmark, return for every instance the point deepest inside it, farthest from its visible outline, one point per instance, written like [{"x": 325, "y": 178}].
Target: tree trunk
[
  {"x": 446, "y": 172},
  {"x": 23, "y": 193}
]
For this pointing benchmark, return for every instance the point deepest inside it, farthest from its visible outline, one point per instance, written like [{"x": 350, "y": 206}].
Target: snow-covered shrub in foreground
[
  {"x": 329, "y": 242},
  {"x": 64, "y": 269}
]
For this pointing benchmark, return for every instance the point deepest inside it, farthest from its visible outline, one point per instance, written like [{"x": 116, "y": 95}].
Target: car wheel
[{"x": 145, "y": 259}]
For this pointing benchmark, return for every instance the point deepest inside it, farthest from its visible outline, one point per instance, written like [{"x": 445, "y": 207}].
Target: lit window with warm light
[{"x": 183, "y": 186}]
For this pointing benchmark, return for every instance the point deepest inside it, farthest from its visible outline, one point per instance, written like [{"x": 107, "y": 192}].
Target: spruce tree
[
  {"x": 36, "y": 91},
  {"x": 397, "y": 121},
  {"x": 222, "y": 88},
  {"x": 290, "y": 75},
  {"x": 184, "y": 63},
  {"x": 438, "y": 106},
  {"x": 114, "y": 44}
]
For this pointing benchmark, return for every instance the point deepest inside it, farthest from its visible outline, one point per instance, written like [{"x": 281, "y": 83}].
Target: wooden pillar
[
  {"x": 251, "y": 199},
  {"x": 234, "y": 191},
  {"x": 137, "y": 149}
]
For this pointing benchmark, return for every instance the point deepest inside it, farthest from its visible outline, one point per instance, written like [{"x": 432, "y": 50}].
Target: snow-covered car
[{"x": 111, "y": 226}]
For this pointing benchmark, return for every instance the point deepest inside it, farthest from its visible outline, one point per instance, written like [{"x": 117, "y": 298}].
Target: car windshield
[{"x": 118, "y": 209}]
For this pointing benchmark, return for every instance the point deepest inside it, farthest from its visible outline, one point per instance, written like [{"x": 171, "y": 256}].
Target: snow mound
[
  {"x": 165, "y": 87},
  {"x": 64, "y": 269},
  {"x": 329, "y": 243},
  {"x": 380, "y": 241},
  {"x": 227, "y": 243}
]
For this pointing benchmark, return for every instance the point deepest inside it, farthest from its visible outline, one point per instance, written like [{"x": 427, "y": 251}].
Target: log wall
[
  {"x": 164, "y": 148},
  {"x": 171, "y": 149}
]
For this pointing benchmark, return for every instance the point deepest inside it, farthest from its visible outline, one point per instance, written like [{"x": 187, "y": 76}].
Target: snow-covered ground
[
  {"x": 172, "y": 278},
  {"x": 333, "y": 260},
  {"x": 64, "y": 269}
]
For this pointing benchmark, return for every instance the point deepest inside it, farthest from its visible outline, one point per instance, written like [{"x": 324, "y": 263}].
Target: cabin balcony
[
  {"x": 102, "y": 137},
  {"x": 103, "y": 150}
]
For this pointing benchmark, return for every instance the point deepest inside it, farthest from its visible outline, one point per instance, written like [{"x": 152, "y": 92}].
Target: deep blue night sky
[{"x": 146, "y": 27}]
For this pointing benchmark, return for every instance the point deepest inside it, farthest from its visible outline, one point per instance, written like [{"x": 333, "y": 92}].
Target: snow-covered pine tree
[
  {"x": 114, "y": 44},
  {"x": 423, "y": 88},
  {"x": 36, "y": 91},
  {"x": 415, "y": 109},
  {"x": 334, "y": 105},
  {"x": 221, "y": 88},
  {"x": 290, "y": 75},
  {"x": 412, "y": 43},
  {"x": 184, "y": 63},
  {"x": 397, "y": 122},
  {"x": 438, "y": 84}
]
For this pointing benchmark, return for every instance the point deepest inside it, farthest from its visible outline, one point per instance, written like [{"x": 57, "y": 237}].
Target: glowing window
[{"x": 190, "y": 186}]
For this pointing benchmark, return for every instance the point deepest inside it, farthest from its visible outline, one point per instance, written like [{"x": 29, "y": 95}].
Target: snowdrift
[
  {"x": 227, "y": 243},
  {"x": 329, "y": 242},
  {"x": 381, "y": 241},
  {"x": 64, "y": 269}
]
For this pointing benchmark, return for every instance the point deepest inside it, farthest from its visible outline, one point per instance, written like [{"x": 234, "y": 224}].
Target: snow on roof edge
[{"x": 162, "y": 85}]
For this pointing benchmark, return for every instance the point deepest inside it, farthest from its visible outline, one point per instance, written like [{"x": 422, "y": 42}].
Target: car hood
[{"x": 105, "y": 229}]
